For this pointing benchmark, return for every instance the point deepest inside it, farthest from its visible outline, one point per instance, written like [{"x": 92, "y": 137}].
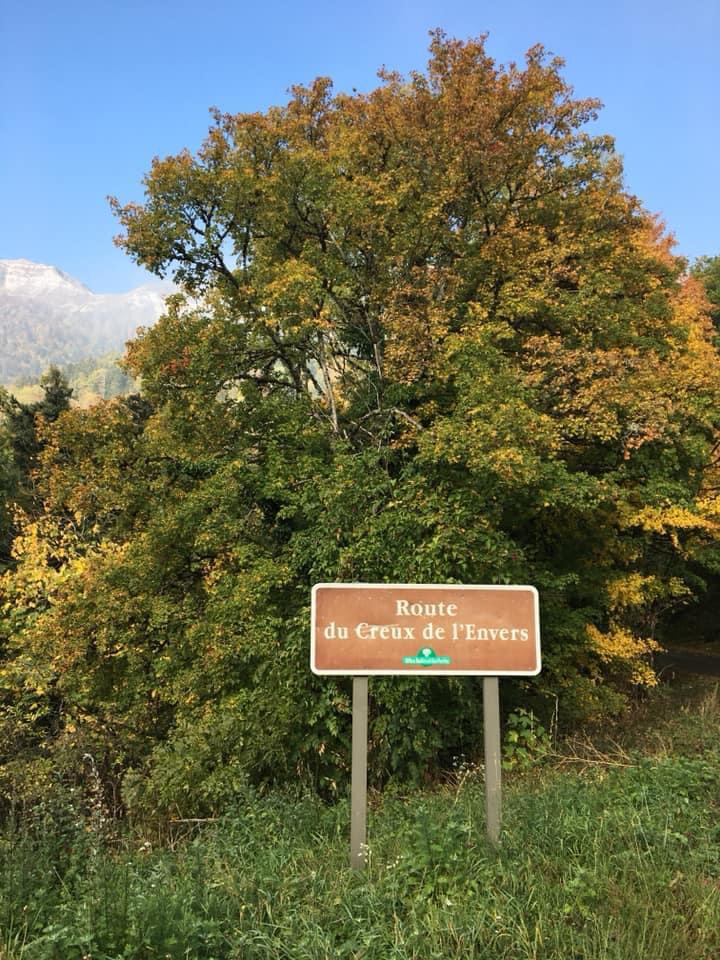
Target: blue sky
[{"x": 91, "y": 91}]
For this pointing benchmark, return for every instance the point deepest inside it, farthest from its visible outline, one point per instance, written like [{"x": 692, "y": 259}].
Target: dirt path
[{"x": 673, "y": 660}]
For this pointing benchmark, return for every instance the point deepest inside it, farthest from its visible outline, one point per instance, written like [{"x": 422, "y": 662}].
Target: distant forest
[{"x": 91, "y": 379}]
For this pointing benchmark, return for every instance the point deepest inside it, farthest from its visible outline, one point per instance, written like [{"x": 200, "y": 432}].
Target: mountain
[{"x": 49, "y": 317}]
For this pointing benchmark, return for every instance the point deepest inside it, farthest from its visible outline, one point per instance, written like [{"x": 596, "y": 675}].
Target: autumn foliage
[{"x": 426, "y": 336}]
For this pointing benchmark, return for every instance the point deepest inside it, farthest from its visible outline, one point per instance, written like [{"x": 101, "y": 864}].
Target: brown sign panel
[{"x": 430, "y": 629}]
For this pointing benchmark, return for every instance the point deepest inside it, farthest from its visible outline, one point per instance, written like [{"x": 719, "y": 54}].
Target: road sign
[
  {"x": 362, "y": 629},
  {"x": 366, "y": 629}
]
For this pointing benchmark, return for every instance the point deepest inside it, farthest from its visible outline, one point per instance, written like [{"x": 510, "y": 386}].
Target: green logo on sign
[{"x": 426, "y": 657}]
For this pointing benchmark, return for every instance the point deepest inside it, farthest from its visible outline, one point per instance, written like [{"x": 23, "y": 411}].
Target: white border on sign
[{"x": 426, "y": 671}]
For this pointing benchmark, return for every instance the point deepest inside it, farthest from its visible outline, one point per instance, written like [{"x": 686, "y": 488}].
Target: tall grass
[{"x": 610, "y": 858}]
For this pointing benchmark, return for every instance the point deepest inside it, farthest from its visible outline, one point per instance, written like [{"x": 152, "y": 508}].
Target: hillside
[{"x": 49, "y": 317}]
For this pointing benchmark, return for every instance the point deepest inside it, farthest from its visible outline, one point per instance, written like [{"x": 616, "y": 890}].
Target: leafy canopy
[{"x": 426, "y": 336}]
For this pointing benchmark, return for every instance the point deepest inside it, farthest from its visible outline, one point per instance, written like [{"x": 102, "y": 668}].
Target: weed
[{"x": 526, "y": 740}]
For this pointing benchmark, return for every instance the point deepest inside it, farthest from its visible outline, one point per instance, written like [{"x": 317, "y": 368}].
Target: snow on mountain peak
[{"x": 27, "y": 279}]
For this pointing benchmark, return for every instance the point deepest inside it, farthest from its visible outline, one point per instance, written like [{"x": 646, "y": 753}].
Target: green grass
[{"x": 608, "y": 853}]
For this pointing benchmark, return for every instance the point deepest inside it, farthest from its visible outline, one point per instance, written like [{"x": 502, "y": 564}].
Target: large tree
[{"x": 426, "y": 336}]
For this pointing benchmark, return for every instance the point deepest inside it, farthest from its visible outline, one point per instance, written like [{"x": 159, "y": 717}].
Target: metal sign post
[
  {"x": 358, "y": 788},
  {"x": 491, "y": 734}
]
